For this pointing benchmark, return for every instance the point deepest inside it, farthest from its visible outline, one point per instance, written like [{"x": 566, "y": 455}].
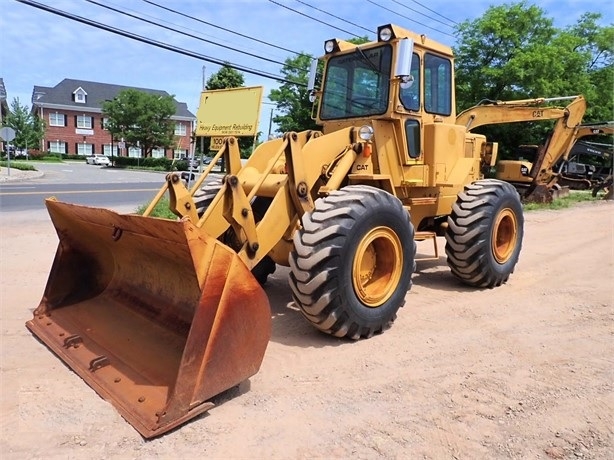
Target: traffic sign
[{"x": 7, "y": 134}]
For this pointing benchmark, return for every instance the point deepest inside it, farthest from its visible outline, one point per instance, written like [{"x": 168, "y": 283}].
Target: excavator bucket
[{"x": 153, "y": 314}]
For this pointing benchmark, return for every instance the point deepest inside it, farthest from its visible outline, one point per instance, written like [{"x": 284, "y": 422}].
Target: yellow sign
[
  {"x": 216, "y": 143},
  {"x": 229, "y": 112}
]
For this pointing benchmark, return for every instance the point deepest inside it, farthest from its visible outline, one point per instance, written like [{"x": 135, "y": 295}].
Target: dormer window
[{"x": 79, "y": 95}]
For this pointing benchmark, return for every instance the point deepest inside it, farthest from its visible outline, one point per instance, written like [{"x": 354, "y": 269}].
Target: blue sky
[{"x": 39, "y": 48}]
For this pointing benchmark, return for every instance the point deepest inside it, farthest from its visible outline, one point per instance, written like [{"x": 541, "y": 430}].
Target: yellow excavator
[
  {"x": 160, "y": 315},
  {"x": 534, "y": 176}
]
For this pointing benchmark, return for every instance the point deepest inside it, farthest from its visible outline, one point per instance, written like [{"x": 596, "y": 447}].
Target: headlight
[
  {"x": 329, "y": 46},
  {"x": 385, "y": 34},
  {"x": 365, "y": 132}
]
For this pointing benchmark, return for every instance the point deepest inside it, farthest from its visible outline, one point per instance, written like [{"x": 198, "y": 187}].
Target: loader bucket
[{"x": 153, "y": 314}]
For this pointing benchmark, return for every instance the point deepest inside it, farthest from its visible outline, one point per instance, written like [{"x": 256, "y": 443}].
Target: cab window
[
  {"x": 437, "y": 85},
  {"x": 412, "y": 132}
]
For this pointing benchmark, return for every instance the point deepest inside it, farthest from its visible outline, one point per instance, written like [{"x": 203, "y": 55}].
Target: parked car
[{"x": 98, "y": 160}]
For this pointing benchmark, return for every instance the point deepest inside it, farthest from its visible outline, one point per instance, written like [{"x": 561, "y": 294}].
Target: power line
[
  {"x": 336, "y": 17},
  {"x": 189, "y": 35},
  {"x": 408, "y": 18},
  {"x": 433, "y": 11},
  {"x": 222, "y": 28},
  {"x": 420, "y": 13},
  {"x": 315, "y": 19},
  {"x": 149, "y": 41}
]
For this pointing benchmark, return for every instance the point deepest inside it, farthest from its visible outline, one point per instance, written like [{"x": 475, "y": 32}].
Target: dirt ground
[{"x": 524, "y": 371}]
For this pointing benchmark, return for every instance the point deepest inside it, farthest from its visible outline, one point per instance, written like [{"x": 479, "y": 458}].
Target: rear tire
[
  {"x": 484, "y": 234},
  {"x": 352, "y": 261},
  {"x": 202, "y": 200}
]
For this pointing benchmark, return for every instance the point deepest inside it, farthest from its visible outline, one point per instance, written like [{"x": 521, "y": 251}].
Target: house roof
[{"x": 61, "y": 95}]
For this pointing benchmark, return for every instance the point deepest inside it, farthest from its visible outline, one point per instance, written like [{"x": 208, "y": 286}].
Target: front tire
[
  {"x": 484, "y": 234},
  {"x": 352, "y": 261}
]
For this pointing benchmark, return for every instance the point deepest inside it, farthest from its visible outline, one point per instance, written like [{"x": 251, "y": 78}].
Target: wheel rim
[
  {"x": 377, "y": 266},
  {"x": 504, "y": 235}
]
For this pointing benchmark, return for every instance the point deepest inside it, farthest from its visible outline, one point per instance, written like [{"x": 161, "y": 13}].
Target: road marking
[
  {"x": 81, "y": 191},
  {"x": 17, "y": 187}
]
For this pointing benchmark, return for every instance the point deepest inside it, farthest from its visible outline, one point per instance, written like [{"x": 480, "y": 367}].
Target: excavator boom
[{"x": 540, "y": 178}]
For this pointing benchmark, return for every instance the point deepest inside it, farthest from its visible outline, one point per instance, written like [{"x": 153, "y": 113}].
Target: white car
[{"x": 98, "y": 160}]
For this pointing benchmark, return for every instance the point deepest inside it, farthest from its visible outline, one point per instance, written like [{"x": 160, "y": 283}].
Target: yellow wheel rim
[
  {"x": 377, "y": 266},
  {"x": 504, "y": 235}
]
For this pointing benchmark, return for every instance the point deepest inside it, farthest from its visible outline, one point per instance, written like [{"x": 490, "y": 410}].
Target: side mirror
[
  {"x": 312, "y": 75},
  {"x": 402, "y": 68}
]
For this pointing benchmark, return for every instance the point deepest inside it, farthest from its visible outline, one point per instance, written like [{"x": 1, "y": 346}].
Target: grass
[
  {"x": 161, "y": 210},
  {"x": 575, "y": 196}
]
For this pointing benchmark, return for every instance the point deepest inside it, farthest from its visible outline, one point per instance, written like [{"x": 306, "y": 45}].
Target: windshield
[{"x": 357, "y": 84}]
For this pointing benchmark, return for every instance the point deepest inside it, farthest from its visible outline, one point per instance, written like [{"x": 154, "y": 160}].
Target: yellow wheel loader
[
  {"x": 160, "y": 315},
  {"x": 534, "y": 177}
]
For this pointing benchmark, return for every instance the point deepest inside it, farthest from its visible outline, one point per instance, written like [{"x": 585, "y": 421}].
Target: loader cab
[{"x": 402, "y": 77}]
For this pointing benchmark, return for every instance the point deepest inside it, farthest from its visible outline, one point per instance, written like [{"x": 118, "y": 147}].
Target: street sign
[
  {"x": 7, "y": 134},
  {"x": 229, "y": 112},
  {"x": 216, "y": 143}
]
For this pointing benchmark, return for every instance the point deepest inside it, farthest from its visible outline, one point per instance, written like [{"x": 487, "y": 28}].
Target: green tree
[
  {"x": 141, "y": 119},
  {"x": 29, "y": 128},
  {"x": 597, "y": 42},
  {"x": 226, "y": 77},
  {"x": 513, "y": 52},
  {"x": 293, "y": 98}
]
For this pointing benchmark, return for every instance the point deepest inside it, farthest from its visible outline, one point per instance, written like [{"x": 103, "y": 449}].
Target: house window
[
  {"x": 80, "y": 95},
  {"x": 84, "y": 122},
  {"x": 57, "y": 119},
  {"x": 158, "y": 153},
  {"x": 106, "y": 150},
  {"x": 180, "y": 154},
  {"x": 57, "y": 146},
  {"x": 85, "y": 149},
  {"x": 180, "y": 129}
]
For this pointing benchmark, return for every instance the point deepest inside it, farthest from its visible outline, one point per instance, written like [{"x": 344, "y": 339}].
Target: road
[{"x": 81, "y": 184}]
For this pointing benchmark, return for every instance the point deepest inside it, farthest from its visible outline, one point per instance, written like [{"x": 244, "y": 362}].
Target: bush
[
  {"x": 158, "y": 164},
  {"x": 18, "y": 165}
]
